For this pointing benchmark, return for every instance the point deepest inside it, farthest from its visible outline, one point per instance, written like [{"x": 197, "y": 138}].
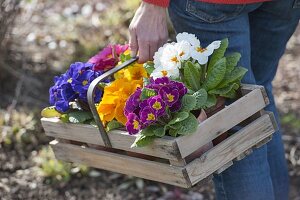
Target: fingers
[
  {"x": 144, "y": 51},
  {"x": 133, "y": 43},
  {"x": 153, "y": 48}
]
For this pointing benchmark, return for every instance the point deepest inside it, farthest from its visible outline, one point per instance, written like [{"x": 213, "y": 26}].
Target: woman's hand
[{"x": 148, "y": 31}]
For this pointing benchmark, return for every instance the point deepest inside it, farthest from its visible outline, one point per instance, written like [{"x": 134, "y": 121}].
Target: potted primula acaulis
[{"x": 184, "y": 77}]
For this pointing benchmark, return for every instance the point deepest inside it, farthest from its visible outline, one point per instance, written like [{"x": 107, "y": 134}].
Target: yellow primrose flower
[{"x": 114, "y": 99}]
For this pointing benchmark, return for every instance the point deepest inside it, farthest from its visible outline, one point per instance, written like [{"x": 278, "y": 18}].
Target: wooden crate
[{"x": 167, "y": 163}]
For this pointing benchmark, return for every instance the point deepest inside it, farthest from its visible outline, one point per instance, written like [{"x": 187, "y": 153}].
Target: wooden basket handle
[{"x": 91, "y": 102}]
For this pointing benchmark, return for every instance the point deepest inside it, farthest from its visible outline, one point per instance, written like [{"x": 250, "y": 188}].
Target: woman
[{"x": 259, "y": 30}]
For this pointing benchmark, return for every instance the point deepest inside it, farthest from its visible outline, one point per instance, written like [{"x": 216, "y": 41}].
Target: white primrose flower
[
  {"x": 183, "y": 48},
  {"x": 157, "y": 56},
  {"x": 170, "y": 57},
  {"x": 190, "y": 38},
  {"x": 197, "y": 52},
  {"x": 165, "y": 72},
  {"x": 201, "y": 54}
]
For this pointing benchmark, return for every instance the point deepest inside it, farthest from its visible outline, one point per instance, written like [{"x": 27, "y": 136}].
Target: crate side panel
[
  {"x": 161, "y": 147},
  {"x": 121, "y": 163},
  {"x": 230, "y": 148},
  {"x": 222, "y": 121}
]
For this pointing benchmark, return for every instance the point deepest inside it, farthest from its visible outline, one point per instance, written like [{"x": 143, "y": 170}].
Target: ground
[{"x": 57, "y": 34}]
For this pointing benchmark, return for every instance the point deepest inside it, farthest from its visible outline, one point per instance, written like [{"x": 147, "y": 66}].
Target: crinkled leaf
[
  {"x": 231, "y": 94},
  {"x": 192, "y": 75},
  {"x": 231, "y": 61},
  {"x": 218, "y": 54},
  {"x": 236, "y": 74},
  {"x": 80, "y": 116},
  {"x": 148, "y": 131},
  {"x": 201, "y": 98},
  {"x": 114, "y": 124},
  {"x": 187, "y": 126},
  {"x": 160, "y": 131},
  {"x": 142, "y": 140},
  {"x": 224, "y": 90},
  {"x": 146, "y": 81},
  {"x": 173, "y": 132},
  {"x": 188, "y": 102},
  {"x": 146, "y": 93},
  {"x": 211, "y": 101},
  {"x": 216, "y": 75},
  {"x": 149, "y": 67},
  {"x": 178, "y": 117}
]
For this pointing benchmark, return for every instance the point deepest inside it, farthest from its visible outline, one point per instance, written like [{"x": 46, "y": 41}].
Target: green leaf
[
  {"x": 146, "y": 93},
  {"x": 192, "y": 75},
  {"x": 124, "y": 57},
  {"x": 80, "y": 116},
  {"x": 64, "y": 118},
  {"x": 218, "y": 54},
  {"x": 187, "y": 126},
  {"x": 114, "y": 124},
  {"x": 160, "y": 131},
  {"x": 188, "y": 102},
  {"x": 201, "y": 98},
  {"x": 142, "y": 140},
  {"x": 178, "y": 117},
  {"x": 173, "y": 132},
  {"x": 146, "y": 81},
  {"x": 149, "y": 67},
  {"x": 50, "y": 112},
  {"x": 236, "y": 74},
  {"x": 148, "y": 131},
  {"x": 224, "y": 90},
  {"x": 216, "y": 75},
  {"x": 211, "y": 101},
  {"x": 231, "y": 94},
  {"x": 231, "y": 61}
]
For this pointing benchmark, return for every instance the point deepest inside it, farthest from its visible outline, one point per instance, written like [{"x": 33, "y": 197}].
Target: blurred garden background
[{"x": 39, "y": 39}]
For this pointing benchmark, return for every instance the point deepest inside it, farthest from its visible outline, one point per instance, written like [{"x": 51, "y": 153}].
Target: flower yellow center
[
  {"x": 135, "y": 124},
  {"x": 200, "y": 49},
  {"x": 170, "y": 97},
  {"x": 150, "y": 117},
  {"x": 157, "y": 105},
  {"x": 181, "y": 53},
  {"x": 164, "y": 73},
  {"x": 69, "y": 80},
  {"x": 174, "y": 59},
  {"x": 84, "y": 82}
]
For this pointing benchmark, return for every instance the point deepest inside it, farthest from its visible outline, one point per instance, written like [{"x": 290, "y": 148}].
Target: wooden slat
[
  {"x": 222, "y": 121},
  {"x": 229, "y": 149},
  {"x": 161, "y": 147},
  {"x": 122, "y": 164},
  {"x": 246, "y": 88}
]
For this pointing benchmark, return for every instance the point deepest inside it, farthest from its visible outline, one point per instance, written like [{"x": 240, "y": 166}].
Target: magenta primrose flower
[
  {"x": 157, "y": 104},
  {"x": 108, "y": 57},
  {"x": 154, "y": 109},
  {"x": 133, "y": 123},
  {"x": 148, "y": 116}
]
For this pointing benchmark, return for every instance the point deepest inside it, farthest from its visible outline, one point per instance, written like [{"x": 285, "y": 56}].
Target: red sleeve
[{"x": 161, "y": 3}]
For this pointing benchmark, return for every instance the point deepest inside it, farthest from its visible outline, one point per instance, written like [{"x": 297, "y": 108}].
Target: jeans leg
[
  {"x": 271, "y": 26},
  {"x": 249, "y": 178}
]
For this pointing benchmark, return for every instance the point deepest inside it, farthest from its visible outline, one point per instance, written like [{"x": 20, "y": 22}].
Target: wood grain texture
[
  {"x": 122, "y": 164},
  {"x": 231, "y": 148},
  {"x": 222, "y": 121},
  {"x": 161, "y": 147}
]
